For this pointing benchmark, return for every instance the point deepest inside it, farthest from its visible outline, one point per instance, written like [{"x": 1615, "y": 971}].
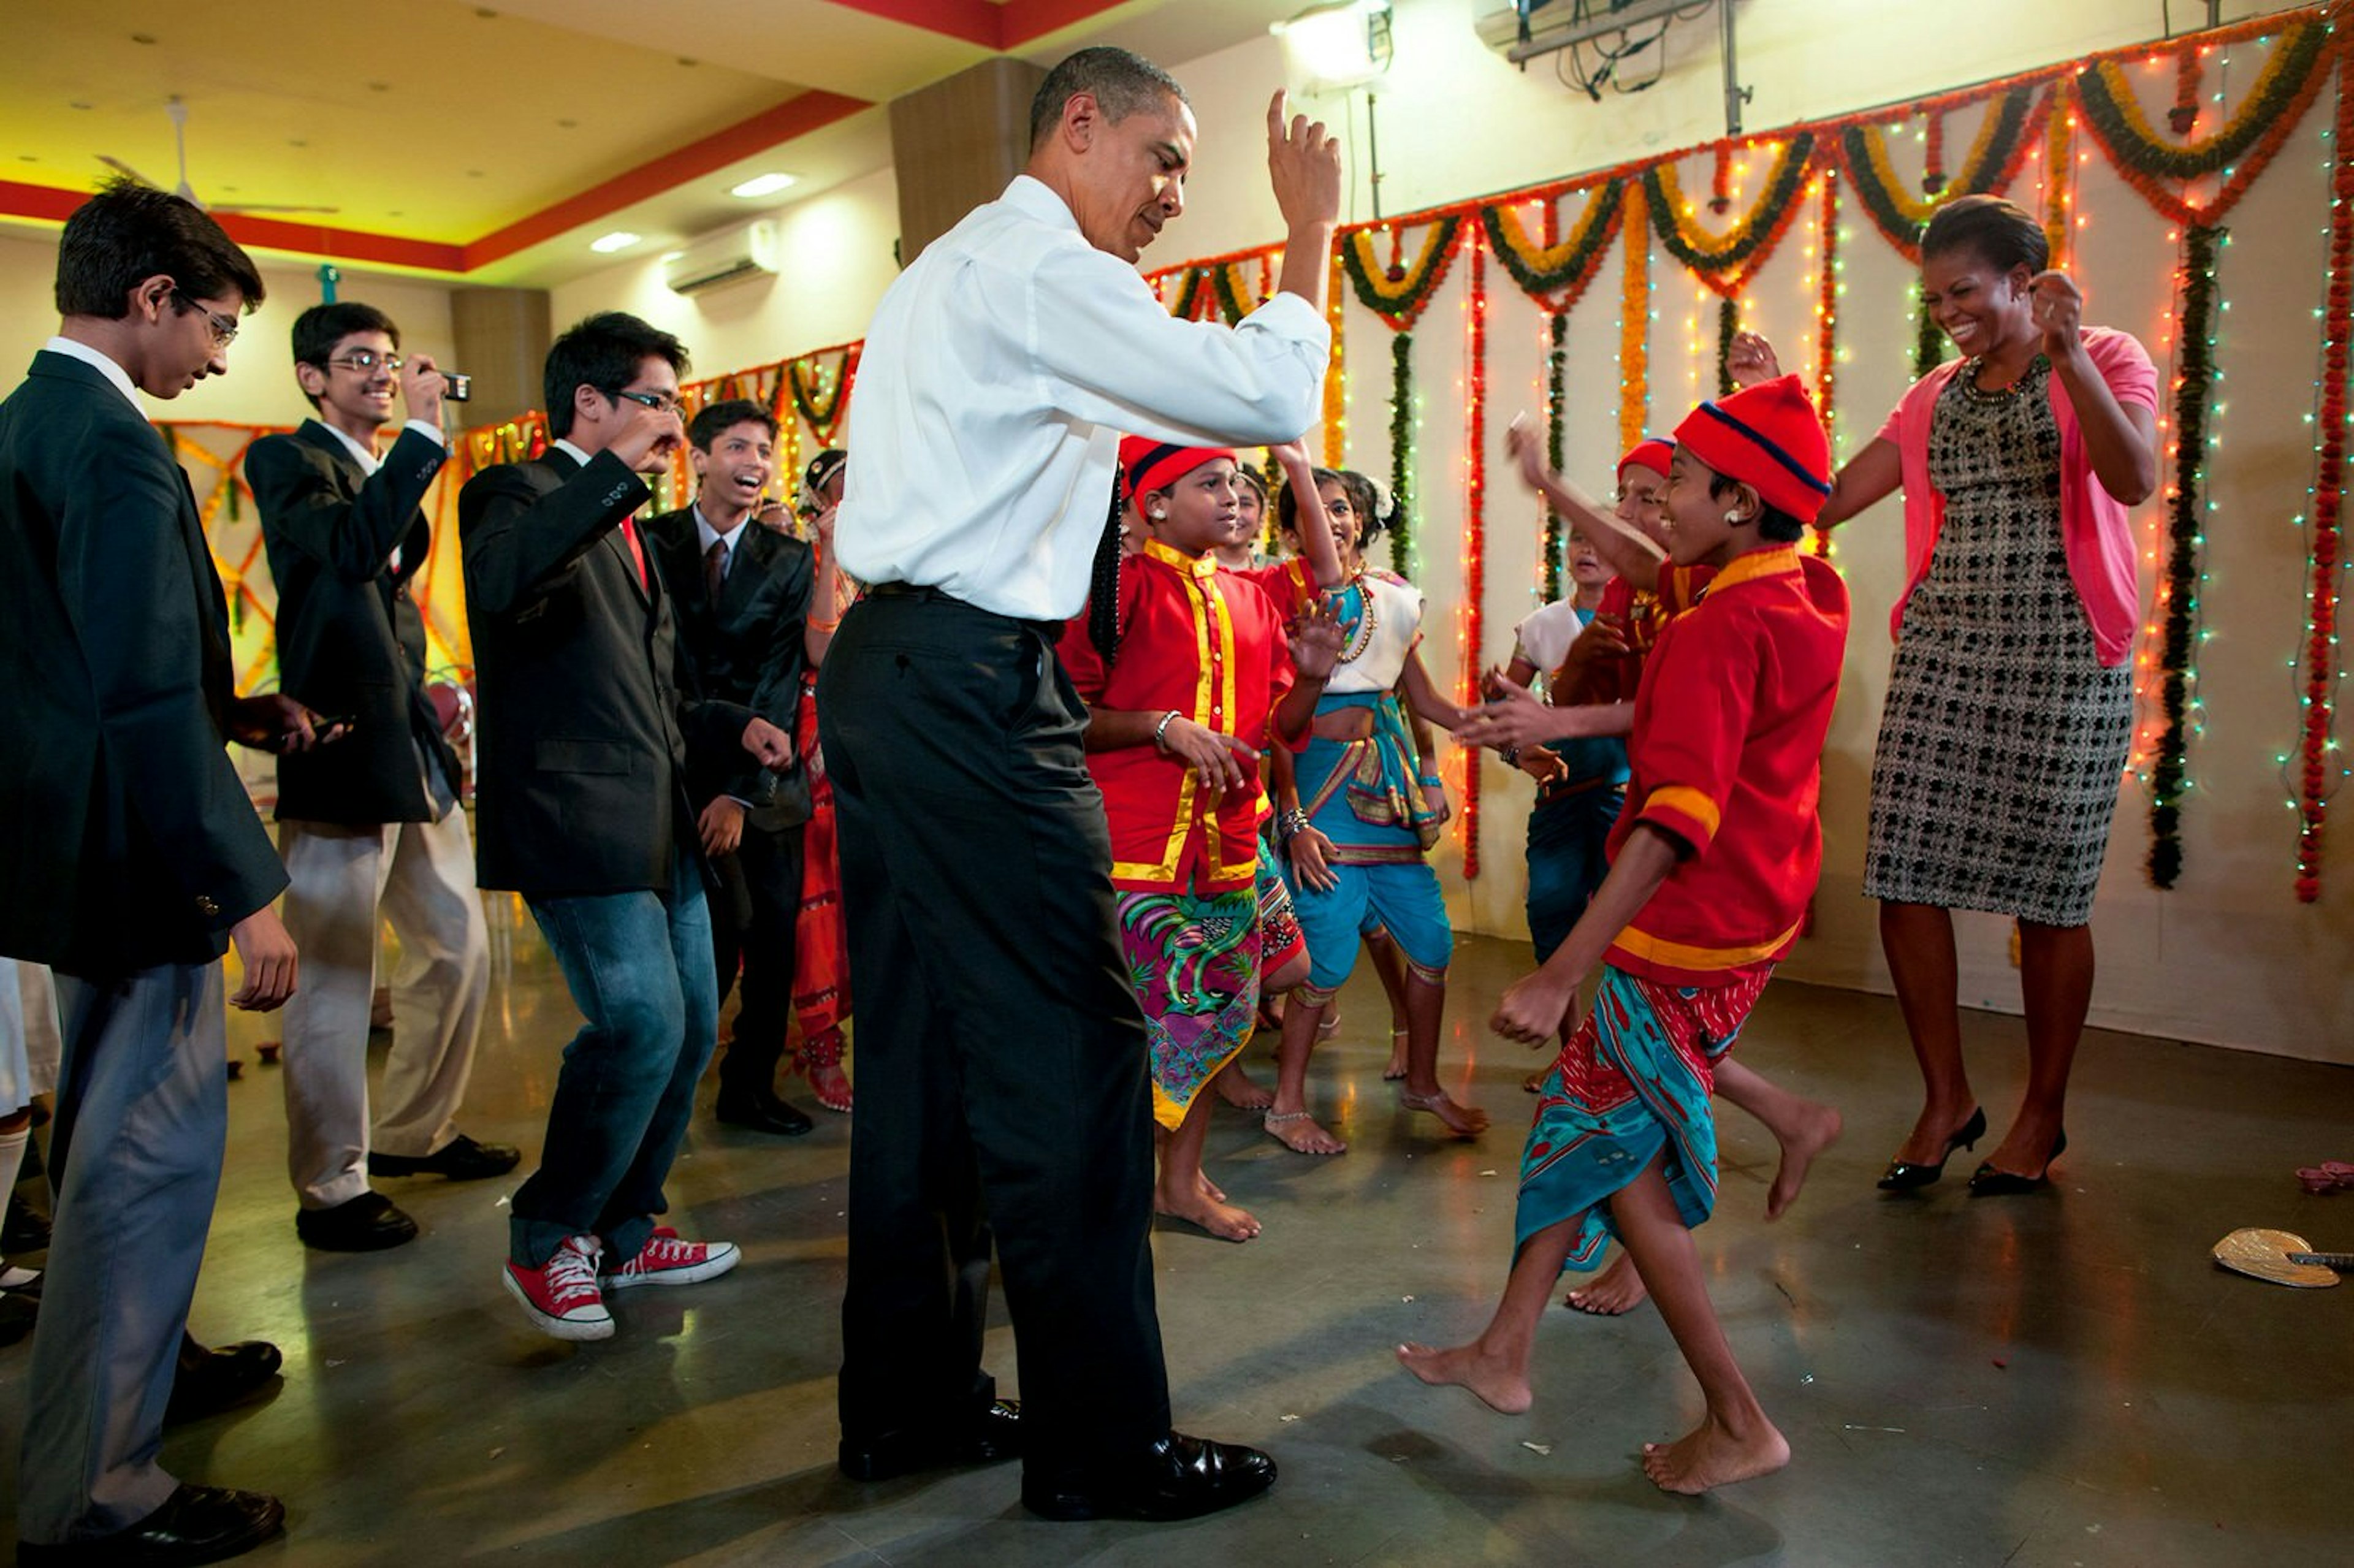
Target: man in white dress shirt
[{"x": 1002, "y": 1053}]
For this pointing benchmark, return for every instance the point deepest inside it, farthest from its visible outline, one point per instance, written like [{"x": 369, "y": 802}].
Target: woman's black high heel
[
  {"x": 1902, "y": 1176},
  {"x": 1988, "y": 1182}
]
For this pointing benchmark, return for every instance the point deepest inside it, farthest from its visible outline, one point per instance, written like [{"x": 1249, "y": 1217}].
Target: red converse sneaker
[
  {"x": 560, "y": 1296},
  {"x": 666, "y": 1260}
]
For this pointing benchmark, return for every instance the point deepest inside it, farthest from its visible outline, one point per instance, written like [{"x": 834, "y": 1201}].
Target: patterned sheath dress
[{"x": 2003, "y": 737}]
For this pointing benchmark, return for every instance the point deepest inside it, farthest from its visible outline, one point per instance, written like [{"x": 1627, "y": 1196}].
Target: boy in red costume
[{"x": 1712, "y": 865}]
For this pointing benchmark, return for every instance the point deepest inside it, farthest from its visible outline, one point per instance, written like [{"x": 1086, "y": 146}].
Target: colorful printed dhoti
[
  {"x": 1193, "y": 959},
  {"x": 1630, "y": 1087}
]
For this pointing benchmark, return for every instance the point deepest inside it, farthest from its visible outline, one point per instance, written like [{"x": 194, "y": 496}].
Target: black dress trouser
[
  {"x": 1001, "y": 1055},
  {"x": 753, "y": 917}
]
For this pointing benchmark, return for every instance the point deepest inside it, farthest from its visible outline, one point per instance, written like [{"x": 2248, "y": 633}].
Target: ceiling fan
[{"x": 179, "y": 113}]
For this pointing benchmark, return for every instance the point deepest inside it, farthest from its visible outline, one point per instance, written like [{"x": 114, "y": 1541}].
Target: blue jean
[{"x": 639, "y": 969}]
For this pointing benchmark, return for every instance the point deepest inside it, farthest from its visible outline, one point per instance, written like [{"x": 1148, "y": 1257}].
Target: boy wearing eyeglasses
[
  {"x": 371, "y": 825},
  {"x": 588, "y": 715}
]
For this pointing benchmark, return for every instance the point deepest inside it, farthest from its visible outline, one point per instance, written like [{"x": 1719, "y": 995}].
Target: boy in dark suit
[
  {"x": 743, "y": 596},
  {"x": 373, "y": 822},
  {"x": 581, "y": 807},
  {"x": 134, "y": 859}
]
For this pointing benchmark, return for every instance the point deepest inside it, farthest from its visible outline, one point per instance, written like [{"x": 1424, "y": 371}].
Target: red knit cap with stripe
[
  {"x": 1654, "y": 452},
  {"x": 1146, "y": 465},
  {"x": 1770, "y": 437}
]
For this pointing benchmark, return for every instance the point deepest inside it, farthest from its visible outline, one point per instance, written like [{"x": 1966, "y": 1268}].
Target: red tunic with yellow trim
[
  {"x": 1727, "y": 757},
  {"x": 1210, "y": 644},
  {"x": 1641, "y": 613}
]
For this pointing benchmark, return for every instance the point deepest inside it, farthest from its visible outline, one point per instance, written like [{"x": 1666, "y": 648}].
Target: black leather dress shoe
[
  {"x": 1177, "y": 1478},
  {"x": 196, "y": 1524},
  {"x": 460, "y": 1159},
  {"x": 761, "y": 1113},
  {"x": 23, "y": 1230},
  {"x": 368, "y": 1223},
  {"x": 209, "y": 1382},
  {"x": 985, "y": 1439}
]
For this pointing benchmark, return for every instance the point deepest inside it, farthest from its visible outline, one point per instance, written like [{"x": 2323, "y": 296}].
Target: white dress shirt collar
[
  {"x": 574, "y": 453},
  {"x": 99, "y": 361},
  {"x": 705, "y": 535}
]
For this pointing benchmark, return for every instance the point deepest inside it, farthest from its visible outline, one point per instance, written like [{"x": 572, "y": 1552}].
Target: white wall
[{"x": 838, "y": 249}]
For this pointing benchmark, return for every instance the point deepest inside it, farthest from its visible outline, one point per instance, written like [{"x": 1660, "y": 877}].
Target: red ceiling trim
[
  {"x": 969, "y": 21},
  {"x": 1027, "y": 19},
  {"x": 1006, "y": 27},
  {"x": 794, "y": 117}
]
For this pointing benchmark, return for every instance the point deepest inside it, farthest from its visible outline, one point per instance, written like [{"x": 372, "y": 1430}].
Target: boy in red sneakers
[{"x": 1712, "y": 864}]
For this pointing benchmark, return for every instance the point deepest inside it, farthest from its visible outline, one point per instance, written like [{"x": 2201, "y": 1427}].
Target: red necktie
[{"x": 637, "y": 551}]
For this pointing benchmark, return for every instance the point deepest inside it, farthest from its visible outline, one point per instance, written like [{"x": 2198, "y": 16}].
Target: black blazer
[
  {"x": 350, "y": 639},
  {"x": 746, "y": 649},
  {"x": 582, "y": 728},
  {"x": 126, "y": 839}
]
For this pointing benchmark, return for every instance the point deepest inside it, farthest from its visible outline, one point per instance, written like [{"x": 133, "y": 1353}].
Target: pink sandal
[{"x": 2329, "y": 1176}]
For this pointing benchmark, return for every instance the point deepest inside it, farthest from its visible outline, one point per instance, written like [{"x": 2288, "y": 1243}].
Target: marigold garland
[
  {"x": 2321, "y": 614},
  {"x": 2240, "y": 148},
  {"x": 1827, "y": 330},
  {"x": 1634, "y": 328},
  {"x": 1336, "y": 374},
  {"x": 1725, "y": 262},
  {"x": 2006, "y": 135},
  {"x": 1556, "y": 421},
  {"x": 1555, "y": 274},
  {"x": 2179, "y": 582},
  {"x": 1728, "y": 324},
  {"x": 1398, "y": 301},
  {"x": 820, "y": 409},
  {"x": 2059, "y": 174},
  {"x": 1402, "y": 453},
  {"x": 1475, "y": 535}
]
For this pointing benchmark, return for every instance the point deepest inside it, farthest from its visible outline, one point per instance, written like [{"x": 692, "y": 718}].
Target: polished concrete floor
[{"x": 2051, "y": 1381}]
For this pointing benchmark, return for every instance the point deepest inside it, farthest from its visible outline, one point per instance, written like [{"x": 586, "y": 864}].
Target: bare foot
[
  {"x": 1397, "y": 1068},
  {"x": 1534, "y": 1082},
  {"x": 831, "y": 1085},
  {"x": 1710, "y": 1455},
  {"x": 1817, "y": 1130},
  {"x": 1501, "y": 1387},
  {"x": 1463, "y": 1122},
  {"x": 1236, "y": 1089},
  {"x": 1222, "y": 1220},
  {"x": 1298, "y": 1131},
  {"x": 1211, "y": 1189},
  {"x": 1619, "y": 1290}
]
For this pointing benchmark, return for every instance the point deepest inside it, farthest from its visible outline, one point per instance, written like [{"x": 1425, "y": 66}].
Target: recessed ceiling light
[
  {"x": 763, "y": 185},
  {"x": 620, "y": 239}
]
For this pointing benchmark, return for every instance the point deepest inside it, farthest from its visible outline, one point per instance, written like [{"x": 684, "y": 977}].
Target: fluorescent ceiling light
[
  {"x": 1335, "y": 45},
  {"x": 669, "y": 255},
  {"x": 762, "y": 184},
  {"x": 620, "y": 239}
]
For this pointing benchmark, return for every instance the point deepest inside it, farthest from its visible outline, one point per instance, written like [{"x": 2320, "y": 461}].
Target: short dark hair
[
  {"x": 603, "y": 351},
  {"x": 1772, "y": 522},
  {"x": 1364, "y": 499},
  {"x": 2001, "y": 234},
  {"x": 129, "y": 232},
  {"x": 1121, "y": 83},
  {"x": 318, "y": 330},
  {"x": 717, "y": 419},
  {"x": 1256, "y": 479}
]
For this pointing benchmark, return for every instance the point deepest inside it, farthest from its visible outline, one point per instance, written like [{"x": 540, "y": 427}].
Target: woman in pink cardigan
[{"x": 2009, "y": 705}]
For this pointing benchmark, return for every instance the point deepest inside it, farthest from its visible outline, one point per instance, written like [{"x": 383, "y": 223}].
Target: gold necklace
[{"x": 1362, "y": 637}]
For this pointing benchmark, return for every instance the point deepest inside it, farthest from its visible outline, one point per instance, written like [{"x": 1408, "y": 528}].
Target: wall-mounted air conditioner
[{"x": 750, "y": 251}]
